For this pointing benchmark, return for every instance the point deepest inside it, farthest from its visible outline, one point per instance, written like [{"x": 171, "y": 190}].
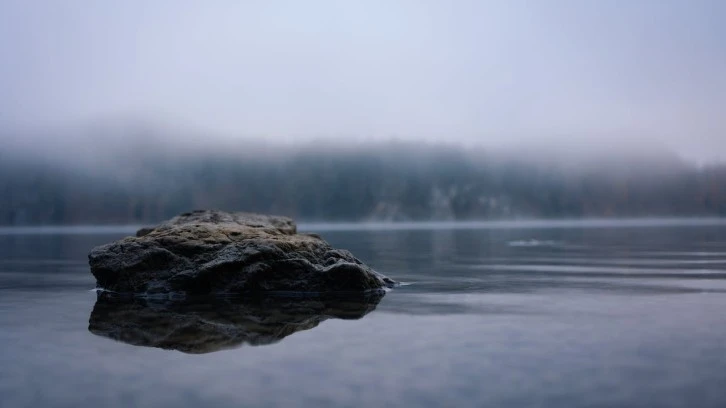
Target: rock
[
  {"x": 197, "y": 326},
  {"x": 213, "y": 252},
  {"x": 143, "y": 231}
]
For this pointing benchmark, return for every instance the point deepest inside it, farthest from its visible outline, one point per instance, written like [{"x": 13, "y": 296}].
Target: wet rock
[
  {"x": 213, "y": 252},
  {"x": 199, "y": 326}
]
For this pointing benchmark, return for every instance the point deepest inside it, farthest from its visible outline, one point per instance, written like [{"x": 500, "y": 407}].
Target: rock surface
[
  {"x": 198, "y": 327},
  {"x": 212, "y": 252}
]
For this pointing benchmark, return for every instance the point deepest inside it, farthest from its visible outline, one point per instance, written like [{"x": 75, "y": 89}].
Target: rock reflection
[{"x": 208, "y": 325}]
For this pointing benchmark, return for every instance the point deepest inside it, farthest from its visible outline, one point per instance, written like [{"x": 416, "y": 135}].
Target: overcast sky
[{"x": 505, "y": 72}]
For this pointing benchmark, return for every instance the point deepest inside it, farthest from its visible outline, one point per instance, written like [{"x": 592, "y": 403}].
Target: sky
[{"x": 493, "y": 73}]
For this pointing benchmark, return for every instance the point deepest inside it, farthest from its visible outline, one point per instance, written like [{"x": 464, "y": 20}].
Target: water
[{"x": 549, "y": 315}]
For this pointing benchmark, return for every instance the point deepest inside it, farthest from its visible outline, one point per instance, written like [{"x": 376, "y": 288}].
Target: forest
[{"x": 391, "y": 181}]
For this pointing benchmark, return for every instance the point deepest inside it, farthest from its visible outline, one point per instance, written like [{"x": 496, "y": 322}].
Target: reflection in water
[
  {"x": 205, "y": 326},
  {"x": 600, "y": 317}
]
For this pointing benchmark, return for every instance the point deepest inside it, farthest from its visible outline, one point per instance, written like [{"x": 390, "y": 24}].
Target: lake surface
[{"x": 561, "y": 314}]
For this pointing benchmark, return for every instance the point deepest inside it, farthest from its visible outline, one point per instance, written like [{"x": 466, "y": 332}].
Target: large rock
[
  {"x": 206, "y": 325},
  {"x": 212, "y": 252}
]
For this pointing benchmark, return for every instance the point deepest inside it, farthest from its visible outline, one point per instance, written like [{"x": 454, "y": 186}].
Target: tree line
[{"x": 388, "y": 182}]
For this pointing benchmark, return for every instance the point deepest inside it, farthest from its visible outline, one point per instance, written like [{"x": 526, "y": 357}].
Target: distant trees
[{"x": 397, "y": 181}]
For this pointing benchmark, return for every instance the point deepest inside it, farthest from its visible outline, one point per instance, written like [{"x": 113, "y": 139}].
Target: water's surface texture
[{"x": 551, "y": 315}]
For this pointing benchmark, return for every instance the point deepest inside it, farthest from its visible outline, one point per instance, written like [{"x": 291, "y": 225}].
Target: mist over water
[
  {"x": 545, "y": 179},
  {"x": 143, "y": 182},
  {"x": 365, "y": 111}
]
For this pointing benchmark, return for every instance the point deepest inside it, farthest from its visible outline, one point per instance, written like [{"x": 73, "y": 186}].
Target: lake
[{"x": 517, "y": 314}]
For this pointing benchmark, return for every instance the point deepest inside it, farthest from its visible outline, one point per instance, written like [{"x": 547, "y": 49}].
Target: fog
[
  {"x": 506, "y": 74},
  {"x": 134, "y": 111}
]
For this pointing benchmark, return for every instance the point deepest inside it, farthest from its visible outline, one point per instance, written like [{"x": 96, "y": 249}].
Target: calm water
[{"x": 551, "y": 315}]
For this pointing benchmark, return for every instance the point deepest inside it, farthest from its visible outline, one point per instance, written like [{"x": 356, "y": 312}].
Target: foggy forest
[{"x": 147, "y": 182}]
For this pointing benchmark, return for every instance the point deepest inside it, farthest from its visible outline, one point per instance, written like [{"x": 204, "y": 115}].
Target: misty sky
[{"x": 494, "y": 73}]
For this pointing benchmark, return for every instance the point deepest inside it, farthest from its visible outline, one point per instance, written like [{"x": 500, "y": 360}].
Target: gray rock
[
  {"x": 198, "y": 326},
  {"x": 213, "y": 252}
]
